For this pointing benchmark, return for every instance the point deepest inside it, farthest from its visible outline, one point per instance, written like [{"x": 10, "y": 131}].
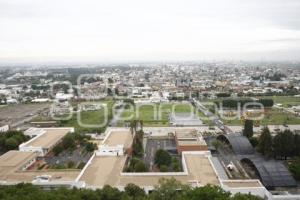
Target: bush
[
  {"x": 57, "y": 149},
  {"x": 253, "y": 141},
  {"x": 71, "y": 164},
  {"x": 11, "y": 143},
  {"x": 138, "y": 149},
  {"x": 176, "y": 165},
  {"x": 168, "y": 189},
  {"x": 11, "y": 140},
  {"x": 294, "y": 167},
  {"x": 163, "y": 168},
  {"x": 162, "y": 157},
  {"x": 90, "y": 147},
  {"x": 134, "y": 191},
  {"x": 81, "y": 165},
  {"x": 140, "y": 167},
  {"x": 136, "y": 165},
  {"x": 68, "y": 142}
]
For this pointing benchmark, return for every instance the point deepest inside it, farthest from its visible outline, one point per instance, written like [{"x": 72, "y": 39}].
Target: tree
[
  {"x": 140, "y": 167},
  {"x": 110, "y": 193},
  {"x": 266, "y": 102},
  {"x": 265, "y": 142},
  {"x": 11, "y": 140},
  {"x": 176, "y": 165},
  {"x": 248, "y": 128},
  {"x": 136, "y": 165},
  {"x": 283, "y": 144},
  {"x": 208, "y": 192},
  {"x": 68, "y": 142},
  {"x": 162, "y": 157},
  {"x": 141, "y": 124},
  {"x": 57, "y": 149},
  {"x": 134, "y": 191},
  {"x": 294, "y": 167},
  {"x": 167, "y": 189},
  {"x": 90, "y": 147},
  {"x": 11, "y": 143},
  {"x": 296, "y": 145},
  {"x": 138, "y": 150},
  {"x": 253, "y": 141}
]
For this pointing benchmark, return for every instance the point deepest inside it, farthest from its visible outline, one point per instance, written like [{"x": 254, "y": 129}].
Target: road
[
  {"x": 214, "y": 118},
  {"x": 116, "y": 117}
]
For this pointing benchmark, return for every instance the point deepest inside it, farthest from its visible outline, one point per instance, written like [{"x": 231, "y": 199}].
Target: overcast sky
[{"x": 139, "y": 30}]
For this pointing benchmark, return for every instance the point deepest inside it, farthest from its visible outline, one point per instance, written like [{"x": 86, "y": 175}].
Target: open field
[
  {"x": 92, "y": 120},
  {"x": 272, "y": 117},
  {"x": 286, "y": 101},
  {"x": 157, "y": 115},
  {"x": 18, "y": 114}
]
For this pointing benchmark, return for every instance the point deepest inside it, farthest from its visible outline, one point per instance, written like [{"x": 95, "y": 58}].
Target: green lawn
[
  {"x": 272, "y": 117},
  {"x": 279, "y": 117},
  {"x": 275, "y": 116},
  {"x": 91, "y": 120},
  {"x": 161, "y": 117},
  {"x": 286, "y": 101}
]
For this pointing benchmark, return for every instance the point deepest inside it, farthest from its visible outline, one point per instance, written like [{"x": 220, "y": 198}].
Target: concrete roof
[
  {"x": 189, "y": 137},
  {"x": 49, "y": 138},
  {"x": 119, "y": 137},
  {"x": 28, "y": 176},
  {"x": 106, "y": 170},
  {"x": 14, "y": 160},
  {"x": 242, "y": 183}
]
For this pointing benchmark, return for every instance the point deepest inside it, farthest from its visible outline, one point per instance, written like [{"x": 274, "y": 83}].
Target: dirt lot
[{"x": 16, "y": 115}]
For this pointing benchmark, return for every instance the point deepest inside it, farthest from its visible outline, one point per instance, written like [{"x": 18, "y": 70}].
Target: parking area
[
  {"x": 64, "y": 158},
  {"x": 15, "y": 115}
]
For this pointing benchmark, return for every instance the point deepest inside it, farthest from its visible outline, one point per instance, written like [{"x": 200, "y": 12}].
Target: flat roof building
[
  {"x": 15, "y": 160},
  {"x": 45, "y": 140},
  {"x": 108, "y": 170},
  {"x": 189, "y": 140}
]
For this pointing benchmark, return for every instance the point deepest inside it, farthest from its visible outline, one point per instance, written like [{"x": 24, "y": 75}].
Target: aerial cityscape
[{"x": 178, "y": 103}]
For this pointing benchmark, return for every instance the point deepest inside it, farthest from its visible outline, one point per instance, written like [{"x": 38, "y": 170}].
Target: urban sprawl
[{"x": 234, "y": 125}]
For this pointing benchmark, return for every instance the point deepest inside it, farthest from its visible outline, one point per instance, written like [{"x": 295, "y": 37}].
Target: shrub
[
  {"x": 294, "y": 167},
  {"x": 162, "y": 157},
  {"x": 163, "y": 168}
]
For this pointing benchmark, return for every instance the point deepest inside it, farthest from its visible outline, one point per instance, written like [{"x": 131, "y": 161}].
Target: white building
[
  {"x": 4, "y": 128},
  {"x": 45, "y": 140},
  {"x": 105, "y": 150}
]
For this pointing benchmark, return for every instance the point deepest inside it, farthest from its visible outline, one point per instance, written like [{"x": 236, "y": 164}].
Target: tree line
[
  {"x": 167, "y": 189},
  {"x": 11, "y": 140},
  {"x": 285, "y": 144},
  {"x": 234, "y": 103}
]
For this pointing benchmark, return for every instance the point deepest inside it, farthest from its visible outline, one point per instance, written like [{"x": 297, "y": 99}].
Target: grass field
[
  {"x": 272, "y": 117},
  {"x": 159, "y": 115},
  {"x": 92, "y": 120},
  {"x": 286, "y": 101}
]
